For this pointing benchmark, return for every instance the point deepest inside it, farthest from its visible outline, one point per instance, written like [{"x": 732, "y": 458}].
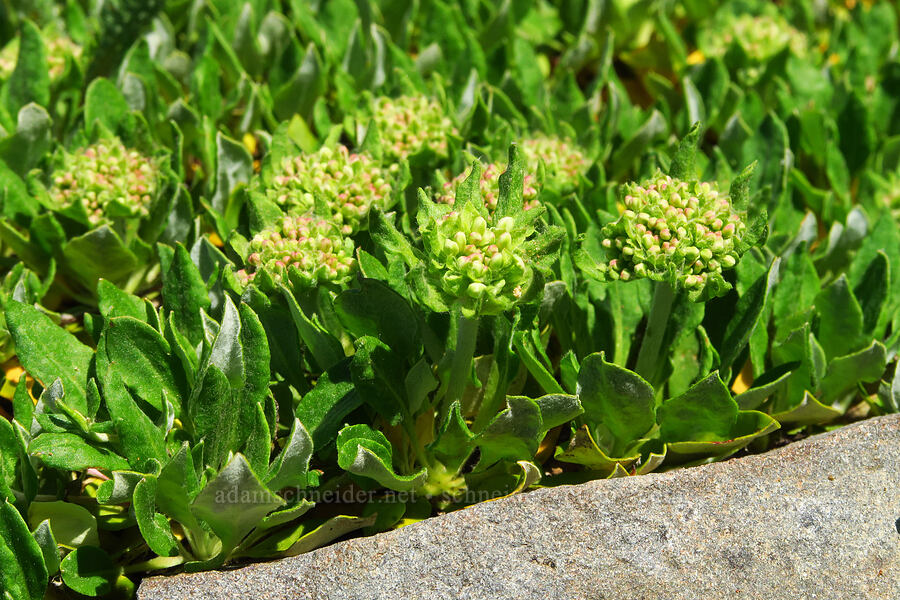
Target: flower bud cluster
[
  {"x": 477, "y": 263},
  {"x": 311, "y": 245},
  {"x": 564, "y": 162},
  {"x": 760, "y": 37},
  {"x": 684, "y": 232},
  {"x": 58, "y": 48},
  {"x": 108, "y": 180},
  {"x": 410, "y": 124},
  {"x": 351, "y": 184},
  {"x": 490, "y": 187}
]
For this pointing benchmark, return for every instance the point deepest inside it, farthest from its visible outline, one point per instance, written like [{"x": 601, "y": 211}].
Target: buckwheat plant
[
  {"x": 678, "y": 232},
  {"x": 350, "y": 184},
  {"x": 411, "y": 125},
  {"x": 489, "y": 185},
  {"x": 306, "y": 250},
  {"x": 478, "y": 263},
  {"x": 564, "y": 162},
  {"x": 108, "y": 180}
]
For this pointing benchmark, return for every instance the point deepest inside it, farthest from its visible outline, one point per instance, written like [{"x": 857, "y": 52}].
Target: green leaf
[
  {"x": 840, "y": 319},
  {"x": 455, "y": 442},
  {"x": 583, "y": 450},
  {"x": 873, "y": 290},
  {"x": 652, "y": 129},
  {"x": 215, "y": 416},
  {"x": 740, "y": 187},
  {"x": 376, "y": 310},
  {"x": 529, "y": 357},
  {"x": 99, "y": 253},
  {"x": 706, "y": 412},
  {"x": 120, "y": 488},
  {"x": 511, "y": 185},
  {"x": 327, "y": 532},
  {"x": 176, "y": 487},
  {"x": 24, "y": 149},
  {"x": 326, "y": 350},
  {"x": 290, "y": 467},
  {"x": 70, "y": 452},
  {"x": 514, "y": 434},
  {"x": 106, "y": 107},
  {"x": 323, "y": 409},
  {"x": 116, "y": 303},
  {"x": 43, "y": 535},
  {"x": 234, "y": 167},
  {"x": 233, "y": 503},
  {"x": 615, "y": 399},
  {"x": 138, "y": 353},
  {"x": 683, "y": 162},
  {"x": 389, "y": 239},
  {"x": 364, "y": 451},
  {"x": 139, "y": 437},
  {"x": 746, "y": 314},
  {"x": 48, "y": 352},
  {"x": 73, "y": 525},
  {"x": 750, "y": 425},
  {"x": 845, "y": 372},
  {"x": 762, "y": 388},
  {"x": 23, "y": 574},
  {"x": 809, "y": 411},
  {"x": 299, "y": 94},
  {"x": 377, "y": 373},
  {"x": 558, "y": 409},
  {"x": 184, "y": 295},
  {"x": 30, "y": 80},
  {"x": 89, "y": 571},
  {"x": 154, "y": 527}
]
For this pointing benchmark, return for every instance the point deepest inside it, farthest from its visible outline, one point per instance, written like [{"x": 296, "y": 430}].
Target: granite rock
[{"x": 816, "y": 519}]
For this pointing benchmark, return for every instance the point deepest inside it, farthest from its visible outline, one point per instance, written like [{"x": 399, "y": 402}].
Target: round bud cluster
[
  {"x": 312, "y": 246},
  {"x": 760, "y": 37},
  {"x": 682, "y": 232},
  {"x": 108, "y": 180},
  {"x": 477, "y": 263},
  {"x": 351, "y": 184},
  {"x": 564, "y": 163},
  {"x": 58, "y": 48},
  {"x": 490, "y": 187},
  {"x": 410, "y": 124}
]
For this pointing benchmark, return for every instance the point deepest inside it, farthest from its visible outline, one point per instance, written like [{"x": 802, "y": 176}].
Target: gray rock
[{"x": 816, "y": 519}]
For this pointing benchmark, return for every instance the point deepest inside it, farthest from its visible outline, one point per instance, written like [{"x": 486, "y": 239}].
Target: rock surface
[{"x": 816, "y": 519}]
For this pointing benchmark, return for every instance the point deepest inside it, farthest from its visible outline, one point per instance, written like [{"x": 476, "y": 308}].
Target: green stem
[
  {"x": 461, "y": 364},
  {"x": 648, "y": 357}
]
